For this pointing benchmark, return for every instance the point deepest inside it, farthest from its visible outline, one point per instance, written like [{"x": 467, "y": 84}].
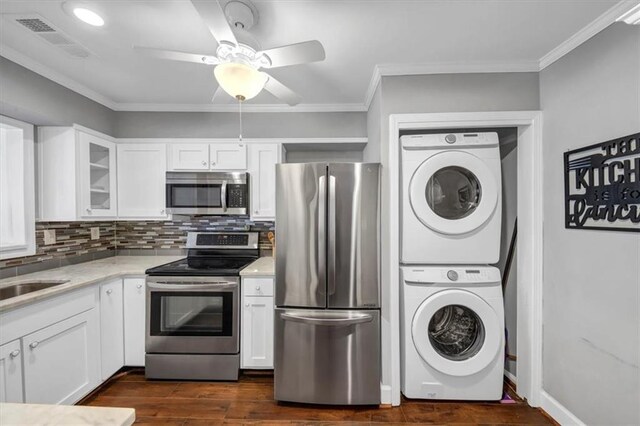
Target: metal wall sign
[{"x": 602, "y": 185}]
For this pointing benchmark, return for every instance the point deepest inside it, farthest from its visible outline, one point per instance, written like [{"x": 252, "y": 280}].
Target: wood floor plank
[
  {"x": 271, "y": 410},
  {"x": 139, "y": 388},
  {"x": 225, "y": 391},
  {"x": 161, "y": 421},
  {"x": 192, "y": 408}
]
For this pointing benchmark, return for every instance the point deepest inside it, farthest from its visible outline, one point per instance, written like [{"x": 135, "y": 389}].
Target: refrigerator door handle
[
  {"x": 331, "y": 238},
  {"x": 322, "y": 223},
  {"x": 328, "y": 320}
]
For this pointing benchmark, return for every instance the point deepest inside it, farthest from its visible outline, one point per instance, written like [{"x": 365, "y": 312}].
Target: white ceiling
[{"x": 357, "y": 35}]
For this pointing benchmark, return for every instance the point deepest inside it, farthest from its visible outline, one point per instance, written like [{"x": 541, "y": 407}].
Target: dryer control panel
[{"x": 451, "y": 274}]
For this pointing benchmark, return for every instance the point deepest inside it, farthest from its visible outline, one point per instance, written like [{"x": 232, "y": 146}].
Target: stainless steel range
[{"x": 193, "y": 309}]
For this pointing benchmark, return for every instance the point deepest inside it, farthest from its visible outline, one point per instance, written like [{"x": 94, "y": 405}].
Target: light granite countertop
[
  {"x": 40, "y": 414},
  {"x": 259, "y": 268},
  {"x": 80, "y": 275}
]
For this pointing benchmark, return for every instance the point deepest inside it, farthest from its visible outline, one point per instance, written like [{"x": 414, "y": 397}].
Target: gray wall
[
  {"x": 29, "y": 97},
  {"x": 226, "y": 125},
  {"x": 591, "y": 278}
]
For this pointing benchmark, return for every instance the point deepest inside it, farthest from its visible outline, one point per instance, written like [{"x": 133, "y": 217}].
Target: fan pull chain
[{"x": 240, "y": 108}]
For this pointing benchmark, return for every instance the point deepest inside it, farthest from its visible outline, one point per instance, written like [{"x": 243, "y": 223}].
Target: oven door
[{"x": 192, "y": 315}]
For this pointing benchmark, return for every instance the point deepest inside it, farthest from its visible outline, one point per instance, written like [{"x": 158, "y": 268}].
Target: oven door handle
[{"x": 204, "y": 286}]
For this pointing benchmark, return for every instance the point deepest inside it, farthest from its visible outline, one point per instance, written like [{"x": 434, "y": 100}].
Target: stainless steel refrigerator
[{"x": 327, "y": 322}]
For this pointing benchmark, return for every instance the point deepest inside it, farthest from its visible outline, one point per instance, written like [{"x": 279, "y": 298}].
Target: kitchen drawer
[{"x": 257, "y": 287}]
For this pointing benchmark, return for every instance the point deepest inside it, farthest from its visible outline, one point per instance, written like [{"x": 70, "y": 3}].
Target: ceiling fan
[{"x": 238, "y": 59}]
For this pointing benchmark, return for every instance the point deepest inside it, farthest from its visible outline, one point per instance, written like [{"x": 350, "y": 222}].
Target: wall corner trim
[{"x": 558, "y": 411}]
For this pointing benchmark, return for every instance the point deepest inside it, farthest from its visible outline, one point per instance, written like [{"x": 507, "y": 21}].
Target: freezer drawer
[{"x": 327, "y": 356}]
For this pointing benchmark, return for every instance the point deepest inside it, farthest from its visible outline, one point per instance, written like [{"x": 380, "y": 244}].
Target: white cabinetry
[
  {"x": 76, "y": 174},
  {"x": 11, "y": 372},
  {"x": 141, "y": 181},
  {"x": 256, "y": 349},
  {"x": 111, "y": 328},
  {"x": 62, "y": 361},
  {"x": 134, "y": 321},
  {"x": 262, "y": 174},
  {"x": 203, "y": 156}
]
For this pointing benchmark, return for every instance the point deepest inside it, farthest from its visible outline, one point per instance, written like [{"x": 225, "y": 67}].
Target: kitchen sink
[{"x": 27, "y": 287}]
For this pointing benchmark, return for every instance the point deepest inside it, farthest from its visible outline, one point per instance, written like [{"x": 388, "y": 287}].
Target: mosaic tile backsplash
[{"x": 74, "y": 243}]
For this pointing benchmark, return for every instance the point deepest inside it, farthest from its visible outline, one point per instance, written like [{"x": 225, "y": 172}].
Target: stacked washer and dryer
[{"x": 452, "y": 316}]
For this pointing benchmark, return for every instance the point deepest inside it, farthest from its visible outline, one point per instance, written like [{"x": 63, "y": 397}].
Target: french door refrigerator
[{"x": 327, "y": 296}]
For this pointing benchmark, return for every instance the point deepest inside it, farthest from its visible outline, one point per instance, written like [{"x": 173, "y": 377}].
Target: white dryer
[
  {"x": 452, "y": 333},
  {"x": 451, "y": 198}
]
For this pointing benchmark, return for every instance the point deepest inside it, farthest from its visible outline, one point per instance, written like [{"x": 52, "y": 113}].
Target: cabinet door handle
[
  {"x": 139, "y": 286},
  {"x": 34, "y": 345},
  {"x": 213, "y": 163},
  {"x": 14, "y": 353},
  {"x": 88, "y": 210},
  {"x": 162, "y": 211},
  {"x": 258, "y": 288},
  {"x": 204, "y": 163},
  {"x": 247, "y": 305},
  {"x": 109, "y": 291}
]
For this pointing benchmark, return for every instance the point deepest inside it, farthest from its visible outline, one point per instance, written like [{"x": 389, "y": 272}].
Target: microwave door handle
[{"x": 223, "y": 196}]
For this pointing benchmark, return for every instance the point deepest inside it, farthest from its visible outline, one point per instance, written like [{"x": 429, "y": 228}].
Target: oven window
[
  {"x": 193, "y": 195},
  {"x": 191, "y": 314}
]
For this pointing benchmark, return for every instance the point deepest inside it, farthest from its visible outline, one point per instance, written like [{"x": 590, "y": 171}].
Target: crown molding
[
  {"x": 56, "y": 77},
  {"x": 233, "y": 107},
  {"x": 593, "y": 28},
  {"x": 390, "y": 70}
]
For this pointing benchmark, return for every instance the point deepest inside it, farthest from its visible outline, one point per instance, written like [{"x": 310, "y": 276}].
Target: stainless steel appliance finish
[
  {"x": 19, "y": 289},
  {"x": 327, "y": 283},
  {"x": 193, "y": 308},
  {"x": 198, "y": 306},
  {"x": 327, "y": 356},
  {"x": 219, "y": 193}
]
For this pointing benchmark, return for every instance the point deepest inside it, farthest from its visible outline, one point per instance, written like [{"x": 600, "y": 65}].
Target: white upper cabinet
[
  {"x": 141, "y": 181},
  {"x": 228, "y": 156},
  {"x": 76, "y": 174},
  {"x": 194, "y": 156},
  {"x": 202, "y": 156},
  {"x": 262, "y": 174}
]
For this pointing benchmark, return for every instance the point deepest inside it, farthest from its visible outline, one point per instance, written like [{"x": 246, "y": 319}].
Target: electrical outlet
[
  {"x": 49, "y": 236},
  {"x": 95, "y": 233}
]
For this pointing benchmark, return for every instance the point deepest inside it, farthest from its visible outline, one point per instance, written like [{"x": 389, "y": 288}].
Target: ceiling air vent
[{"x": 46, "y": 31}]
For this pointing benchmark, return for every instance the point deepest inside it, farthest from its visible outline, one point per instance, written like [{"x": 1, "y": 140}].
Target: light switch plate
[
  {"x": 95, "y": 233},
  {"x": 49, "y": 236}
]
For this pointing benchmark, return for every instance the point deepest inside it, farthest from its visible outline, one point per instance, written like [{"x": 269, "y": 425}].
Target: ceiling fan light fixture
[
  {"x": 88, "y": 16},
  {"x": 239, "y": 80}
]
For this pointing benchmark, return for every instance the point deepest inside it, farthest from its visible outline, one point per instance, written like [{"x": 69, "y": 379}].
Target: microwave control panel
[{"x": 236, "y": 195}]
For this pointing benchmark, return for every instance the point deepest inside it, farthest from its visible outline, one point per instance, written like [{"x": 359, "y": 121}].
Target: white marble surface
[
  {"x": 261, "y": 267},
  {"x": 39, "y": 414},
  {"x": 81, "y": 275}
]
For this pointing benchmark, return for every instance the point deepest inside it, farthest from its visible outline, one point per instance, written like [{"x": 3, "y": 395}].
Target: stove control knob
[{"x": 452, "y": 275}]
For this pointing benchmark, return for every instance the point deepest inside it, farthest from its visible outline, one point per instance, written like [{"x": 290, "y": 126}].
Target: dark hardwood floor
[{"x": 250, "y": 401}]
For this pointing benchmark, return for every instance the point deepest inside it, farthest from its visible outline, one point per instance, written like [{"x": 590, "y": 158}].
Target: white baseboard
[
  {"x": 559, "y": 412},
  {"x": 511, "y": 376},
  {"x": 385, "y": 394}
]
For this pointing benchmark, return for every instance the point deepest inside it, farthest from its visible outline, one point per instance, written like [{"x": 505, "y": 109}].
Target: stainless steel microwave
[{"x": 215, "y": 193}]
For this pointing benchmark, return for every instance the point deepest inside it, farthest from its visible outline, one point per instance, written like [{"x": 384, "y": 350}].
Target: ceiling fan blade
[
  {"x": 174, "y": 55},
  {"x": 213, "y": 16},
  {"x": 281, "y": 91},
  {"x": 218, "y": 95},
  {"x": 292, "y": 54}
]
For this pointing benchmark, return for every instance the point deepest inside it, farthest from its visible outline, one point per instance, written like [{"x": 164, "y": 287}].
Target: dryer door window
[
  {"x": 454, "y": 192},
  {"x": 457, "y": 333}
]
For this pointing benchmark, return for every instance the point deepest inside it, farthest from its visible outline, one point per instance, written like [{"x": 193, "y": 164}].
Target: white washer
[
  {"x": 451, "y": 198},
  {"x": 452, "y": 333}
]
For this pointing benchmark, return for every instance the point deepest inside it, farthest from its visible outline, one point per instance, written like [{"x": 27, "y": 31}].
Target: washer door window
[
  {"x": 453, "y": 192},
  {"x": 456, "y": 332}
]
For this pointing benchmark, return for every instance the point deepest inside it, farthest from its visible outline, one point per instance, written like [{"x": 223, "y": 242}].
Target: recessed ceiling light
[{"x": 88, "y": 16}]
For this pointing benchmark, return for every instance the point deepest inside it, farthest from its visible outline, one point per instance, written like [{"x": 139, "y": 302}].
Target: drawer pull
[{"x": 258, "y": 288}]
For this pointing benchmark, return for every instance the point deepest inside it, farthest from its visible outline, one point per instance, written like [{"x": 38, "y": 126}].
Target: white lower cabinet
[
  {"x": 134, "y": 321},
  {"x": 11, "y": 372},
  {"x": 62, "y": 361},
  {"x": 256, "y": 348},
  {"x": 111, "y": 328}
]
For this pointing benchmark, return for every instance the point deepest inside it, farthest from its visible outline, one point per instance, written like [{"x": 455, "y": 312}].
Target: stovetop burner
[{"x": 224, "y": 259}]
